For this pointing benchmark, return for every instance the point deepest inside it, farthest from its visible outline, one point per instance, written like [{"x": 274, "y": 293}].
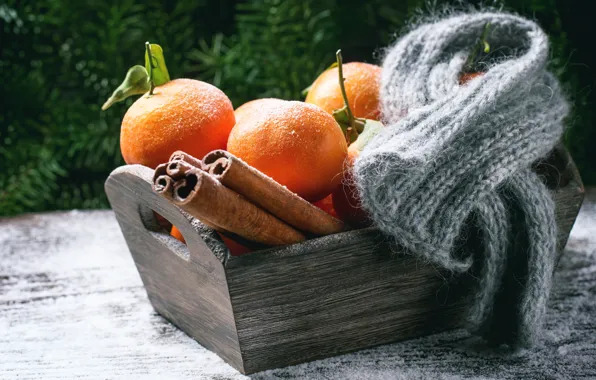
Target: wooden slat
[
  {"x": 185, "y": 285},
  {"x": 281, "y": 306}
]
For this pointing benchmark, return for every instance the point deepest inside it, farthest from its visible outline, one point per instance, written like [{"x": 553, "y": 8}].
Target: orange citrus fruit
[
  {"x": 326, "y": 204},
  {"x": 297, "y": 144},
  {"x": 183, "y": 114},
  {"x": 466, "y": 77},
  {"x": 175, "y": 232},
  {"x": 253, "y": 106},
  {"x": 362, "y": 83},
  {"x": 345, "y": 198},
  {"x": 236, "y": 249}
]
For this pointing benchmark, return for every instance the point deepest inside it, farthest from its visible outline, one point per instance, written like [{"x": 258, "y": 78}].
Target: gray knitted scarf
[{"x": 456, "y": 156}]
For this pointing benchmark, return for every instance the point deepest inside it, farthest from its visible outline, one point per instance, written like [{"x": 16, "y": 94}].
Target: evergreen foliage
[{"x": 61, "y": 59}]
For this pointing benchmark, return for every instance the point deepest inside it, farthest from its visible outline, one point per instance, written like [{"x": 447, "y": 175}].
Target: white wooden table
[{"x": 72, "y": 305}]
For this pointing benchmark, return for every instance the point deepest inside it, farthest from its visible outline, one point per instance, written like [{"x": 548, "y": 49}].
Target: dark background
[{"x": 60, "y": 60}]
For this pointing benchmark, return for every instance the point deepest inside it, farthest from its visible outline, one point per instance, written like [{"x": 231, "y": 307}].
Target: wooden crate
[{"x": 312, "y": 300}]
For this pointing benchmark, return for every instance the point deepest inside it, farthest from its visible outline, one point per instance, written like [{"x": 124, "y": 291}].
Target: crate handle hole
[{"x": 164, "y": 231}]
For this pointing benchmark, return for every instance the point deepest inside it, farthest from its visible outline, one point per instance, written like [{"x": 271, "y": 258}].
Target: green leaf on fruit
[
  {"x": 136, "y": 82},
  {"x": 348, "y": 127},
  {"x": 156, "y": 67},
  {"x": 306, "y": 90},
  {"x": 371, "y": 129}
]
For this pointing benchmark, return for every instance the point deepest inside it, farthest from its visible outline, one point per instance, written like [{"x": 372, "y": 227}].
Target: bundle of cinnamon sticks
[{"x": 230, "y": 196}]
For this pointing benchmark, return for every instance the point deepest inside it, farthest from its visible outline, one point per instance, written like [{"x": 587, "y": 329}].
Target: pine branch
[
  {"x": 278, "y": 49},
  {"x": 60, "y": 59}
]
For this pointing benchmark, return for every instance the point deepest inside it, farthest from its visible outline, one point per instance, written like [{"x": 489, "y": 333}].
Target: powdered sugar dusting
[{"x": 72, "y": 305}]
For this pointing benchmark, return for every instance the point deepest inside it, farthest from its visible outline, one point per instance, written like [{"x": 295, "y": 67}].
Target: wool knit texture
[{"x": 453, "y": 156}]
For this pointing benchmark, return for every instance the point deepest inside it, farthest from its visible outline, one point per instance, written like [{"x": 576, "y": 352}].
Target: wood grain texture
[
  {"x": 332, "y": 298},
  {"x": 185, "y": 285},
  {"x": 319, "y": 298},
  {"x": 562, "y": 177},
  {"x": 72, "y": 306},
  {"x": 347, "y": 291}
]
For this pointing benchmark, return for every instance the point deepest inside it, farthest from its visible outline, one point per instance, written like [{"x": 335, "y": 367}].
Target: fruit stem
[
  {"x": 151, "y": 66},
  {"x": 343, "y": 88},
  {"x": 482, "y": 44},
  {"x": 485, "y": 44}
]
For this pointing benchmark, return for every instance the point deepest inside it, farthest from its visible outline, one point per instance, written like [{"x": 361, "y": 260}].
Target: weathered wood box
[{"x": 316, "y": 299}]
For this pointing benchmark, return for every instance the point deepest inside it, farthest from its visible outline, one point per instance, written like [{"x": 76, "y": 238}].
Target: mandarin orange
[
  {"x": 253, "y": 106},
  {"x": 236, "y": 249},
  {"x": 345, "y": 198},
  {"x": 183, "y": 114},
  {"x": 175, "y": 232},
  {"x": 466, "y": 77},
  {"x": 326, "y": 204},
  {"x": 362, "y": 82},
  {"x": 297, "y": 144}
]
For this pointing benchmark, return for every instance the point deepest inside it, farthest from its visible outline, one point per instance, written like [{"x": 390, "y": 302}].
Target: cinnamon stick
[
  {"x": 177, "y": 169},
  {"x": 159, "y": 171},
  {"x": 204, "y": 197},
  {"x": 183, "y": 156},
  {"x": 270, "y": 195},
  {"x": 164, "y": 185}
]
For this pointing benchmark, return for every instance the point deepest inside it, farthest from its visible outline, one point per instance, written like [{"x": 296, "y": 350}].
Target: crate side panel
[
  {"x": 294, "y": 309},
  {"x": 187, "y": 286}
]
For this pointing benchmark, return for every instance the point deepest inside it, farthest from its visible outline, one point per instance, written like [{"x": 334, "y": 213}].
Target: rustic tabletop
[{"x": 72, "y": 305}]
